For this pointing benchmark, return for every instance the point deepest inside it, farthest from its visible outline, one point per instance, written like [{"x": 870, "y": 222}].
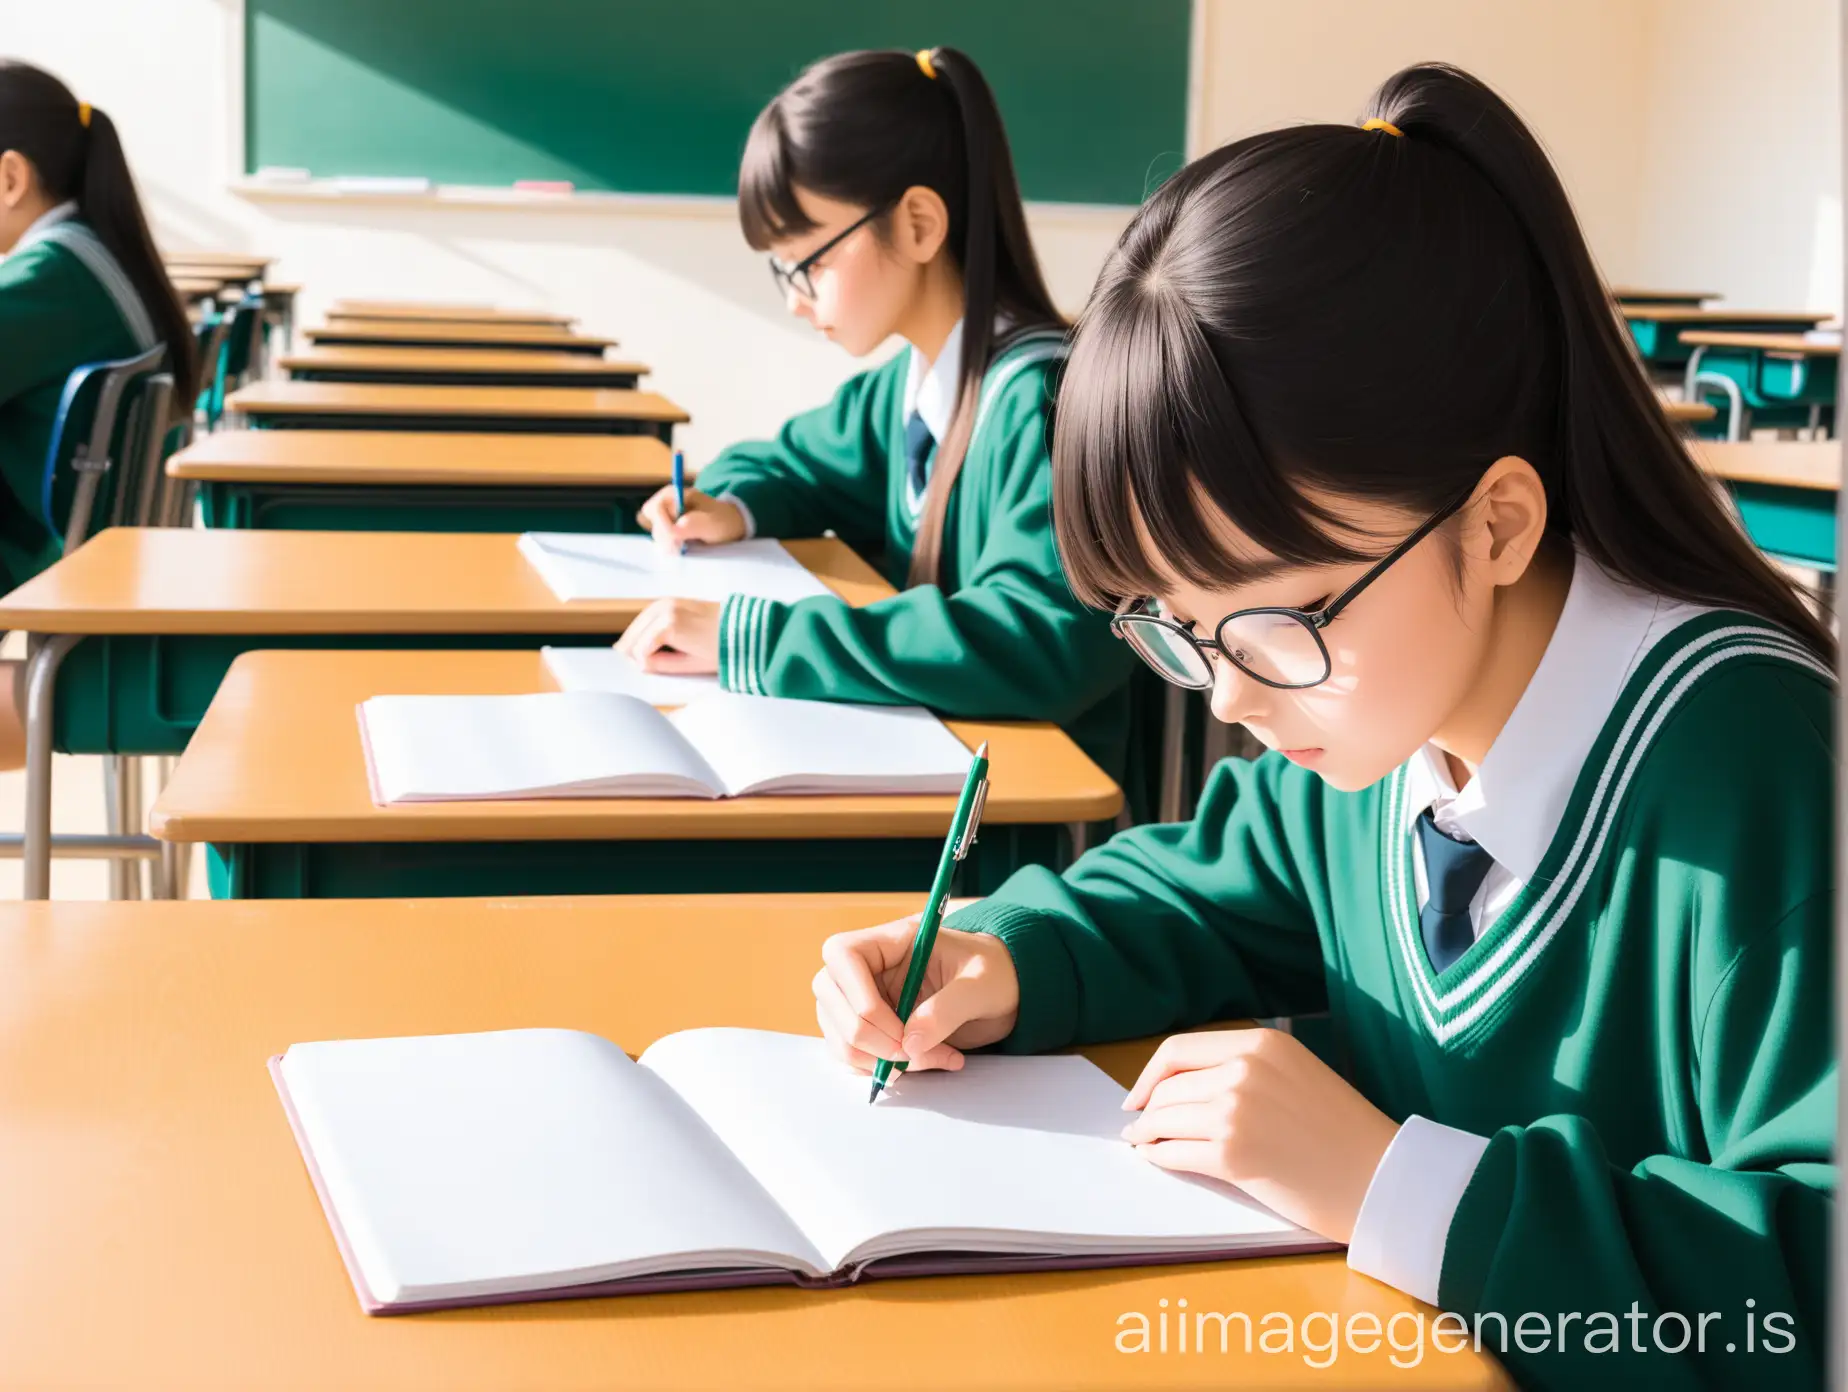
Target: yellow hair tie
[
  {"x": 83, "y": 114},
  {"x": 1377, "y": 124},
  {"x": 925, "y": 66}
]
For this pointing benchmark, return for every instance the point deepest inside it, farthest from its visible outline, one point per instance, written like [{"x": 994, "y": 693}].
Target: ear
[
  {"x": 920, "y": 224},
  {"x": 15, "y": 178},
  {"x": 1505, "y": 520}
]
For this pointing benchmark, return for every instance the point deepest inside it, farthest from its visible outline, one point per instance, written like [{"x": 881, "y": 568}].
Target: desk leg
[{"x": 41, "y": 683}]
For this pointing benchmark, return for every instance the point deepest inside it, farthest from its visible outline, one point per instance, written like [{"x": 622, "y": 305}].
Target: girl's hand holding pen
[
  {"x": 969, "y": 998},
  {"x": 711, "y": 520}
]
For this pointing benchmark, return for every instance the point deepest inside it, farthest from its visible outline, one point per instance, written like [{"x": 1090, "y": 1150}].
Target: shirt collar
[
  {"x": 930, "y": 390},
  {"x": 1512, "y": 808},
  {"x": 45, "y": 221}
]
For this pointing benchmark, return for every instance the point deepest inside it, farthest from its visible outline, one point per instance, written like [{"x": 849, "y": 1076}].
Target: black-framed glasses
[
  {"x": 1277, "y": 646},
  {"x": 800, "y": 277}
]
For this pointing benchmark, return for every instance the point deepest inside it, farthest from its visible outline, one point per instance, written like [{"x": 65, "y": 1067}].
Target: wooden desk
[
  {"x": 412, "y": 334},
  {"x": 1785, "y": 492},
  {"x": 1688, "y": 412},
  {"x": 133, "y": 632},
  {"x": 367, "y": 406},
  {"x": 1656, "y": 329},
  {"x": 419, "y": 312},
  {"x": 1630, "y": 295},
  {"x": 1778, "y": 380},
  {"x": 224, "y": 265},
  {"x": 163, "y": 1234},
  {"x": 1817, "y": 343},
  {"x": 197, "y": 287},
  {"x": 399, "y": 480},
  {"x": 460, "y": 367},
  {"x": 275, "y": 781}
]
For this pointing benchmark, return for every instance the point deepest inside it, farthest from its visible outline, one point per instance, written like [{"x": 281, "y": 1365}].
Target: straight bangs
[
  {"x": 768, "y": 209},
  {"x": 1148, "y": 427}
]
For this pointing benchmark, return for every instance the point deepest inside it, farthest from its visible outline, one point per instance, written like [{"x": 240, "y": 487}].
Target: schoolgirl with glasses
[
  {"x": 882, "y": 187},
  {"x": 1353, "y": 439}
]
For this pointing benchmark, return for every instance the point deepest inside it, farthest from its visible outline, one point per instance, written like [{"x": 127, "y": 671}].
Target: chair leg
[
  {"x": 112, "y": 811},
  {"x": 41, "y": 683},
  {"x": 122, "y": 797},
  {"x": 173, "y": 871},
  {"x": 134, "y": 821}
]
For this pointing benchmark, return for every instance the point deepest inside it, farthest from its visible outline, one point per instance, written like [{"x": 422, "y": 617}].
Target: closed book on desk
[
  {"x": 585, "y": 565},
  {"x": 544, "y": 1164},
  {"x": 599, "y": 744}
]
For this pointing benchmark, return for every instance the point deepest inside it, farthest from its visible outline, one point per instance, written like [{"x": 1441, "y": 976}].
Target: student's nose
[
  {"x": 1236, "y": 697},
  {"x": 799, "y": 304}
]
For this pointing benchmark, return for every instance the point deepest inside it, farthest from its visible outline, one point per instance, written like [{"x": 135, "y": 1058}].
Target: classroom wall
[
  {"x": 1741, "y": 169},
  {"x": 1618, "y": 89},
  {"x": 677, "y": 285},
  {"x": 1568, "y": 66}
]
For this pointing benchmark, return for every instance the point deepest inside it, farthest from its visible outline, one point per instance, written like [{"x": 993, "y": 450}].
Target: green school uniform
[
  {"x": 1644, "y": 1035},
  {"x": 64, "y": 302},
  {"x": 1000, "y": 636}
]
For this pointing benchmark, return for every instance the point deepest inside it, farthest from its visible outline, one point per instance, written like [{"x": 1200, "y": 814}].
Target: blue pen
[{"x": 680, "y": 490}]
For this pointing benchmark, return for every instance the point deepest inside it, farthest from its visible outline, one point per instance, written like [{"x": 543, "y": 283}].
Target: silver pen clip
[{"x": 975, "y": 819}]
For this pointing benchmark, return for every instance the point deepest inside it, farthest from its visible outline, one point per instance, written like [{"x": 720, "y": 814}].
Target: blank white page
[
  {"x": 605, "y": 669},
  {"x": 764, "y": 744},
  {"x": 475, "y": 1164},
  {"x": 593, "y": 566},
  {"x": 1007, "y": 1154},
  {"x": 552, "y": 744}
]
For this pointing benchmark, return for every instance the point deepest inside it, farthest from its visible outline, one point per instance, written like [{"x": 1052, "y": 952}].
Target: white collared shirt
[
  {"x": 44, "y": 222},
  {"x": 1512, "y": 808},
  {"x": 930, "y": 388}
]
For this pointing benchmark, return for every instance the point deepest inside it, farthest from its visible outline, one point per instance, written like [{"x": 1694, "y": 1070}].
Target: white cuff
[
  {"x": 1405, "y": 1218},
  {"x": 744, "y": 510}
]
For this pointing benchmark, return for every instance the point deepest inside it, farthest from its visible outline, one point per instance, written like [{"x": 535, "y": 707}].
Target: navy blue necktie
[
  {"x": 1454, "y": 871},
  {"x": 919, "y": 442}
]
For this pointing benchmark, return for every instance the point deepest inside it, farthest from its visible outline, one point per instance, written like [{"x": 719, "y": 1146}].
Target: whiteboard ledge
[{"x": 529, "y": 200}]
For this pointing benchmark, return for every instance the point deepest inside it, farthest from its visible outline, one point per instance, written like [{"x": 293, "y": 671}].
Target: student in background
[
  {"x": 1351, "y": 437},
  {"x": 882, "y": 186},
  {"x": 80, "y": 282}
]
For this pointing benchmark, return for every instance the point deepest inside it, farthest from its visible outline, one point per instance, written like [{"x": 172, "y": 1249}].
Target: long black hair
[
  {"x": 862, "y": 128},
  {"x": 1374, "y": 313},
  {"x": 77, "y": 154}
]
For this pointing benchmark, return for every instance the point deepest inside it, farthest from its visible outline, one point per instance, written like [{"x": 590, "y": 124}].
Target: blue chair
[
  {"x": 111, "y": 418},
  {"x": 104, "y": 466},
  {"x": 231, "y": 355}
]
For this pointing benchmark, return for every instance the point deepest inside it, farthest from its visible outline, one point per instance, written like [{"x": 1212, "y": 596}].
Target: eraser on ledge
[{"x": 544, "y": 185}]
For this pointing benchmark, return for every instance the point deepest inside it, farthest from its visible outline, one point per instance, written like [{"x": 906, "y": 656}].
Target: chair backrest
[
  {"x": 104, "y": 416},
  {"x": 209, "y": 336},
  {"x": 235, "y": 357}
]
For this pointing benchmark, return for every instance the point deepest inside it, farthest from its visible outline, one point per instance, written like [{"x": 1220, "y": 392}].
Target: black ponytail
[
  {"x": 862, "y": 128},
  {"x": 77, "y": 154},
  {"x": 1376, "y": 313}
]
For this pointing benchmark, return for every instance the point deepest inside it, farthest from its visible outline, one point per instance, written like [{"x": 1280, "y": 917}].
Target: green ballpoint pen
[{"x": 956, "y": 845}]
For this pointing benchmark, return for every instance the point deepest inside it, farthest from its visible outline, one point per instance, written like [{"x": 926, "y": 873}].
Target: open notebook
[
  {"x": 597, "y": 744},
  {"x": 538, "y": 1164},
  {"x": 591, "y": 566}
]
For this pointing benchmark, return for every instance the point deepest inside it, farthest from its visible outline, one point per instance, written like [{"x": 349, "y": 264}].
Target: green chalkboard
[{"x": 657, "y": 97}]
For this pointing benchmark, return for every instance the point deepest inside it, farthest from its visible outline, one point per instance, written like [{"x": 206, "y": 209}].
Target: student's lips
[{"x": 1301, "y": 756}]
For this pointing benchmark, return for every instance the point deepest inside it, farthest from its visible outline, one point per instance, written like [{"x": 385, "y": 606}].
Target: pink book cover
[{"x": 921, "y": 1264}]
